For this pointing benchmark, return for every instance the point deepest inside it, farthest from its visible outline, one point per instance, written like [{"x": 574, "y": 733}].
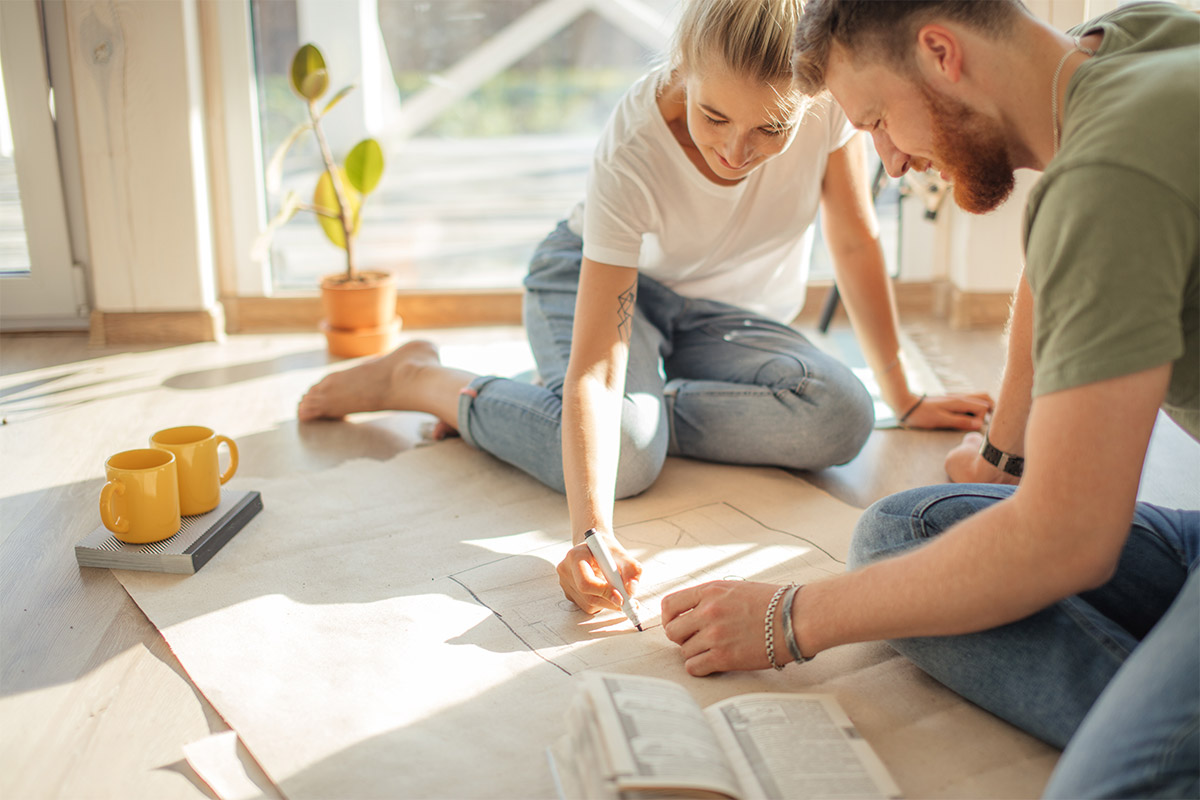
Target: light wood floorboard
[{"x": 92, "y": 702}]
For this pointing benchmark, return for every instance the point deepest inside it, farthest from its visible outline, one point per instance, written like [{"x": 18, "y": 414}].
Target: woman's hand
[
  {"x": 719, "y": 626},
  {"x": 584, "y": 584},
  {"x": 965, "y": 465},
  {"x": 964, "y": 412}
]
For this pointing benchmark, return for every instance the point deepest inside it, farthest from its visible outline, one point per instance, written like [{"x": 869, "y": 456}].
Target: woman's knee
[
  {"x": 644, "y": 441},
  {"x": 640, "y": 463},
  {"x": 842, "y": 414}
]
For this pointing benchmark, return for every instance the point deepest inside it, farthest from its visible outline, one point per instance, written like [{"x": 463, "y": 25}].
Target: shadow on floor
[{"x": 238, "y": 373}]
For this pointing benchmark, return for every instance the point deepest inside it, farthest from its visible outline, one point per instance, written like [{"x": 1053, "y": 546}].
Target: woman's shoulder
[{"x": 634, "y": 120}]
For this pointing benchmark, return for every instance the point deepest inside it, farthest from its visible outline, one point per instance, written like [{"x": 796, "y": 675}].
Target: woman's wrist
[{"x": 894, "y": 389}]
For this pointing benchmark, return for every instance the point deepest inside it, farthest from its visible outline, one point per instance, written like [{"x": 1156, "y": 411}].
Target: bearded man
[{"x": 1060, "y": 603}]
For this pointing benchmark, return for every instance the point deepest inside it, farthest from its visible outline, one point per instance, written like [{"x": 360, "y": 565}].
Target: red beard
[{"x": 971, "y": 152}]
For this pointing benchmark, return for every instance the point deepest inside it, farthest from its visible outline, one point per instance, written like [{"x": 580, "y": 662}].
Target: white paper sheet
[{"x": 387, "y": 629}]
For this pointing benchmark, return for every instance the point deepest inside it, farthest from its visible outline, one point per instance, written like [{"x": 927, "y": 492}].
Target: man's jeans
[
  {"x": 1112, "y": 674},
  {"x": 705, "y": 380}
]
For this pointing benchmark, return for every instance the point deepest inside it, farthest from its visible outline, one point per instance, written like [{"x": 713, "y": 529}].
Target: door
[{"x": 40, "y": 288}]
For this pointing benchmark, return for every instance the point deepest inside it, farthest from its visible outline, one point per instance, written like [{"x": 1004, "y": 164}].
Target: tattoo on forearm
[{"x": 625, "y": 305}]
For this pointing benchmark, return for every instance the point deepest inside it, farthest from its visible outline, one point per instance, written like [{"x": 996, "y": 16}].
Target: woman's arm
[
  {"x": 591, "y": 425},
  {"x": 852, "y": 235}
]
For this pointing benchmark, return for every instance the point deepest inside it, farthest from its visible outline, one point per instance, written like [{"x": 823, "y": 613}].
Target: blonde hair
[{"x": 750, "y": 37}]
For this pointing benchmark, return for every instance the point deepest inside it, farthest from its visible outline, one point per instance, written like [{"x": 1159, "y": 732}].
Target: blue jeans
[
  {"x": 705, "y": 380},
  {"x": 1112, "y": 674}
]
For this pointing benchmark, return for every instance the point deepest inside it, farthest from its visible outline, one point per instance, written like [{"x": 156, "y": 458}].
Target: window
[{"x": 488, "y": 111}]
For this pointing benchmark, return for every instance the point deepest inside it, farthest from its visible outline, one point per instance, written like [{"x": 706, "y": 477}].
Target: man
[{"x": 1060, "y": 604}]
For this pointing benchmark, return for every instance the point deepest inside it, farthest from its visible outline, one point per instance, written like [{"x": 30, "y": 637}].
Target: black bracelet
[{"x": 914, "y": 407}]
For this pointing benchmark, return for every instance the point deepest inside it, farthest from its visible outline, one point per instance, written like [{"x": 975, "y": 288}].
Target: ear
[{"x": 939, "y": 53}]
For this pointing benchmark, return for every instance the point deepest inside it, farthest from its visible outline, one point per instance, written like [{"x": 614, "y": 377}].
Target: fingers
[
  {"x": 583, "y": 584},
  {"x": 955, "y": 412},
  {"x": 702, "y": 664},
  {"x": 718, "y": 625},
  {"x": 964, "y": 404},
  {"x": 960, "y": 422},
  {"x": 630, "y": 569},
  {"x": 971, "y": 441},
  {"x": 677, "y": 603}
]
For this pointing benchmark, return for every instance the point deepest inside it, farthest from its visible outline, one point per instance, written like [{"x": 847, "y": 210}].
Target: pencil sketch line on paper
[
  {"x": 504, "y": 622},
  {"x": 743, "y": 513},
  {"x": 694, "y": 545}
]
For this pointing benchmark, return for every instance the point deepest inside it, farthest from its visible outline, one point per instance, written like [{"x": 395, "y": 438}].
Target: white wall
[{"x": 138, "y": 102}]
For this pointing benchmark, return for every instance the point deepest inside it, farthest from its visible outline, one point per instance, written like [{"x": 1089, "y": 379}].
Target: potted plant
[{"x": 359, "y": 305}]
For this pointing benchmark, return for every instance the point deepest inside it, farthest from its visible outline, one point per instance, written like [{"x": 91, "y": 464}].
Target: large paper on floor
[{"x": 396, "y": 629}]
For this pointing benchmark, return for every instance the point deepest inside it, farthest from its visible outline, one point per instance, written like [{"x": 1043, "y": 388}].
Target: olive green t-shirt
[{"x": 1112, "y": 228}]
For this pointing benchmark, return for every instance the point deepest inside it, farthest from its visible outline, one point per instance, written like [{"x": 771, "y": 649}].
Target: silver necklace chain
[{"x": 1076, "y": 47}]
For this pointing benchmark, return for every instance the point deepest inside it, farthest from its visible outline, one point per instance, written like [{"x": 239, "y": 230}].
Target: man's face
[{"x": 914, "y": 127}]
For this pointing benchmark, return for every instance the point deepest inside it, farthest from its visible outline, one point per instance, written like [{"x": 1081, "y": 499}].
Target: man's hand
[
  {"x": 719, "y": 626},
  {"x": 584, "y": 584},
  {"x": 965, "y": 465}
]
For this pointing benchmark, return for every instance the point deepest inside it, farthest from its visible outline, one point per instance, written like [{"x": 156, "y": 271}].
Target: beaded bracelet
[{"x": 768, "y": 625}]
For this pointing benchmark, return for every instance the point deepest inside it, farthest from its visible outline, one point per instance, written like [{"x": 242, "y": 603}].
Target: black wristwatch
[{"x": 1006, "y": 462}]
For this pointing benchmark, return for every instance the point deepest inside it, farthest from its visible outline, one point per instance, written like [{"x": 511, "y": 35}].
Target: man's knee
[
  {"x": 903, "y": 520},
  {"x": 883, "y": 528}
]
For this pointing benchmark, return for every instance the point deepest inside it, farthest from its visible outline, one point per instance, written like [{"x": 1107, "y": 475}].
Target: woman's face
[{"x": 738, "y": 123}]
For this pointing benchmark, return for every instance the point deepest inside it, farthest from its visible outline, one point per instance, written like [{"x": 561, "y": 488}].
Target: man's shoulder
[
  {"x": 1136, "y": 109},
  {"x": 1144, "y": 26}
]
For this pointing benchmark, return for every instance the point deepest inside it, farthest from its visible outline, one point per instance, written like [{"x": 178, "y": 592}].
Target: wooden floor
[{"x": 92, "y": 702}]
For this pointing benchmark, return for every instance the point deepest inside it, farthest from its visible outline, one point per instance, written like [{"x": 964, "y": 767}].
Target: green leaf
[
  {"x": 364, "y": 166},
  {"x": 325, "y": 197},
  {"x": 274, "y": 174},
  {"x": 337, "y": 98},
  {"x": 309, "y": 77}
]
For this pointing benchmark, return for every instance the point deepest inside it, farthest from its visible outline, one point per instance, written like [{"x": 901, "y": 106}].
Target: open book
[{"x": 631, "y": 737}]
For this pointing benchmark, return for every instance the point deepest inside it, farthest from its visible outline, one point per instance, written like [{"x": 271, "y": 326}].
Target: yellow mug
[
  {"x": 140, "y": 501},
  {"x": 200, "y": 476}
]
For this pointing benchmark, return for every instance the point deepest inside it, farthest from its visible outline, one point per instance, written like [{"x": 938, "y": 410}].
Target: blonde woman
[{"x": 658, "y": 312}]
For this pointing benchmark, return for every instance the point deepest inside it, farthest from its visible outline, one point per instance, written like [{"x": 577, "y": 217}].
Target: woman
[{"x": 657, "y": 313}]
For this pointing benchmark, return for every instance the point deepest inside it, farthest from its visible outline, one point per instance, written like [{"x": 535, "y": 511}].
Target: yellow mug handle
[
  {"x": 233, "y": 458},
  {"x": 112, "y": 521}
]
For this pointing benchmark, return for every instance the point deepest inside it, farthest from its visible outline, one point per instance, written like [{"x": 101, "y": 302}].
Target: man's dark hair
[{"x": 883, "y": 30}]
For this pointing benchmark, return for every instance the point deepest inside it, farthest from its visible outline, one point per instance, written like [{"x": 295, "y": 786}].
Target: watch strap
[{"x": 1005, "y": 462}]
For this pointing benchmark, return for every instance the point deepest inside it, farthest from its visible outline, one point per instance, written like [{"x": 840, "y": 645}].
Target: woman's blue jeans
[
  {"x": 1112, "y": 675},
  {"x": 705, "y": 380}
]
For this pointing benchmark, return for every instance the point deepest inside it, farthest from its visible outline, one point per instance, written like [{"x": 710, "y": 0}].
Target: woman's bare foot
[{"x": 410, "y": 378}]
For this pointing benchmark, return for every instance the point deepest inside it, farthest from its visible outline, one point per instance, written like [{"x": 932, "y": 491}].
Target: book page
[
  {"x": 656, "y": 735},
  {"x": 795, "y": 746}
]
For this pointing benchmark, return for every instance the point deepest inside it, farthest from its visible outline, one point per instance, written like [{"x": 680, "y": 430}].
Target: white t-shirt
[{"x": 748, "y": 244}]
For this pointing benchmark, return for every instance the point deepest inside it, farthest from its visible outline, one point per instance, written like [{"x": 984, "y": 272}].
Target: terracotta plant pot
[{"x": 360, "y": 315}]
